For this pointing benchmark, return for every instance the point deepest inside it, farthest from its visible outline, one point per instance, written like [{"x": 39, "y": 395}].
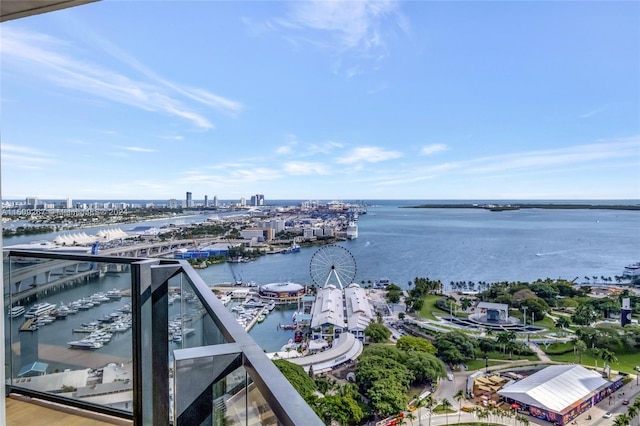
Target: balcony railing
[{"x": 140, "y": 339}]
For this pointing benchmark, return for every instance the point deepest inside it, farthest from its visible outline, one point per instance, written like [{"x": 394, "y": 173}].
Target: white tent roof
[{"x": 555, "y": 387}]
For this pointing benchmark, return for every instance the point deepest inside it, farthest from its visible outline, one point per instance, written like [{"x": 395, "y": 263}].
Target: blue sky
[{"x": 323, "y": 100}]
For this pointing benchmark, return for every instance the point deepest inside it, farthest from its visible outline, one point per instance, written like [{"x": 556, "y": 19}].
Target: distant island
[{"x": 503, "y": 207}]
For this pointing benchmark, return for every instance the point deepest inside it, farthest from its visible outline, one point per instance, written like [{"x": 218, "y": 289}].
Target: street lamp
[{"x": 486, "y": 365}]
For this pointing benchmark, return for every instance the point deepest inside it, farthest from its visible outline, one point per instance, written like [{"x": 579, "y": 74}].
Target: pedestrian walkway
[{"x": 541, "y": 355}]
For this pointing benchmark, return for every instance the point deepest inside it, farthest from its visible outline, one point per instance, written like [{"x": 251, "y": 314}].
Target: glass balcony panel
[
  {"x": 258, "y": 410},
  {"x": 209, "y": 386},
  {"x": 73, "y": 339},
  {"x": 190, "y": 324},
  {"x": 102, "y": 376}
]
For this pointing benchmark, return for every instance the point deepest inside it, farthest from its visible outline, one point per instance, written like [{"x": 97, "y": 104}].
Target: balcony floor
[{"x": 25, "y": 411}]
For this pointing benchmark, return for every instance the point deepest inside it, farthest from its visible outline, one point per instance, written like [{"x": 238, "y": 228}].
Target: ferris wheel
[{"x": 332, "y": 264}]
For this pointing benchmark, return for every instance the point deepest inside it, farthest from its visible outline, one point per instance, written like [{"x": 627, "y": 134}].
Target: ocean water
[{"x": 400, "y": 244}]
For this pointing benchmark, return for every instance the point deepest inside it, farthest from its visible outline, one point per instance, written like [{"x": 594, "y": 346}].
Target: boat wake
[{"x": 552, "y": 253}]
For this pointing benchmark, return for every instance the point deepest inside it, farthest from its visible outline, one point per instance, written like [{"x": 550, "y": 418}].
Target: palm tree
[
  {"x": 622, "y": 420},
  {"x": 411, "y": 416},
  {"x": 459, "y": 396},
  {"x": 632, "y": 412},
  {"x": 429, "y": 401},
  {"x": 482, "y": 413},
  {"x": 446, "y": 406},
  {"x": 562, "y": 322},
  {"x": 608, "y": 356},
  {"x": 419, "y": 403},
  {"x": 580, "y": 348}
]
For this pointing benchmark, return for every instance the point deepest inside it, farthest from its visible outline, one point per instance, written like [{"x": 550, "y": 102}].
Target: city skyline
[{"x": 323, "y": 100}]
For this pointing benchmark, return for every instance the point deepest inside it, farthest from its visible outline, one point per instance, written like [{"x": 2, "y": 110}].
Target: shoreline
[{"x": 511, "y": 207}]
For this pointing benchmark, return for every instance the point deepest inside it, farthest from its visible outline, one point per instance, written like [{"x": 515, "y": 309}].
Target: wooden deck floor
[{"x": 24, "y": 411}]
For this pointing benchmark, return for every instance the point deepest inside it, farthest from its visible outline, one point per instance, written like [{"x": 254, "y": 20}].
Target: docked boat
[
  {"x": 16, "y": 311},
  {"x": 352, "y": 230},
  {"x": 294, "y": 248},
  {"x": 632, "y": 270},
  {"x": 253, "y": 303},
  {"x": 261, "y": 318},
  {"x": 85, "y": 344},
  {"x": 114, "y": 294},
  {"x": 39, "y": 309}
]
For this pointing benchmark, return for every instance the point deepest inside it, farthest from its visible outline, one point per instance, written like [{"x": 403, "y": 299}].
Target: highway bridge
[{"x": 28, "y": 276}]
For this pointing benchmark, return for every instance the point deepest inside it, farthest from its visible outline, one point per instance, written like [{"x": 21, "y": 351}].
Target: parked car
[
  {"x": 625, "y": 402},
  {"x": 607, "y": 415}
]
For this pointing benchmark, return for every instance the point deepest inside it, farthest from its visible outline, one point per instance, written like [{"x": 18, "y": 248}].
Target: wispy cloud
[
  {"x": 24, "y": 157},
  {"x": 353, "y": 24},
  {"x": 231, "y": 174},
  {"x": 360, "y": 29},
  {"x": 137, "y": 149},
  {"x": 593, "y": 112},
  {"x": 62, "y": 64},
  {"x": 368, "y": 154},
  {"x": 597, "y": 156},
  {"x": 172, "y": 137},
  {"x": 616, "y": 149},
  {"x": 432, "y": 149},
  {"x": 305, "y": 168}
]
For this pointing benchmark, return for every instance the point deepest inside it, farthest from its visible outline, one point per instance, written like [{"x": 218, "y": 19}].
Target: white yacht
[
  {"x": 39, "y": 309},
  {"x": 352, "y": 230},
  {"x": 16, "y": 311},
  {"x": 632, "y": 270},
  {"x": 85, "y": 344}
]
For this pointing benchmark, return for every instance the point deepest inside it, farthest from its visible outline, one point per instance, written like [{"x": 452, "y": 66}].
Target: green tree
[
  {"x": 584, "y": 314},
  {"x": 387, "y": 396},
  {"x": 580, "y": 348},
  {"x": 411, "y": 343},
  {"x": 622, "y": 420},
  {"x": 377, "y": 333},
  {"x": 454, "y": 347},
  {"x": 296, "y": 375},
  {"x": 562, "y": 322},
  {"x": 425, "y": 367},
  {"x": 371, "y": 369},
  {"x": 632, "y": 412},
  {"x": 344, "y": 410}
]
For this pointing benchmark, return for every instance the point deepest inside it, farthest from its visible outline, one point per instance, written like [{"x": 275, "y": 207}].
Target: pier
[
  {"x": 254, "y": 320},
  {"x": 28, "y": 325}
]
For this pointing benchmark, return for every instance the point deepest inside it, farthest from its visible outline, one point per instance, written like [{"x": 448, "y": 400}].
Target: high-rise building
[
  {"x": 189, "y": 202},
  {"x": 69, "y": 203},
  {"x": 173, "y": 203},
  {"x": 257, "y": 200},
  {"x": 215, "y": 201},
  {"x": 206, "y": 201}
]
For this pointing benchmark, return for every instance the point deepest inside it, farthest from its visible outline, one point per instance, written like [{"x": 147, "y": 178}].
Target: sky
[{"x": 323, "y": 100}]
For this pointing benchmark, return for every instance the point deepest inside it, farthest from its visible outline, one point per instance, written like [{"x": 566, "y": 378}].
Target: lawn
[
  {"x": 439, "y": 410},
  {"x": 499, "y": 355},
  {"x": 429, "y": 306},
  {"x": 477, "y": 364},
  {"x": 626, "y": 361}
]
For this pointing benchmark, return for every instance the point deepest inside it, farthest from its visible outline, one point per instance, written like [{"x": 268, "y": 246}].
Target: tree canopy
[{"x": 377, "y": 333}]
